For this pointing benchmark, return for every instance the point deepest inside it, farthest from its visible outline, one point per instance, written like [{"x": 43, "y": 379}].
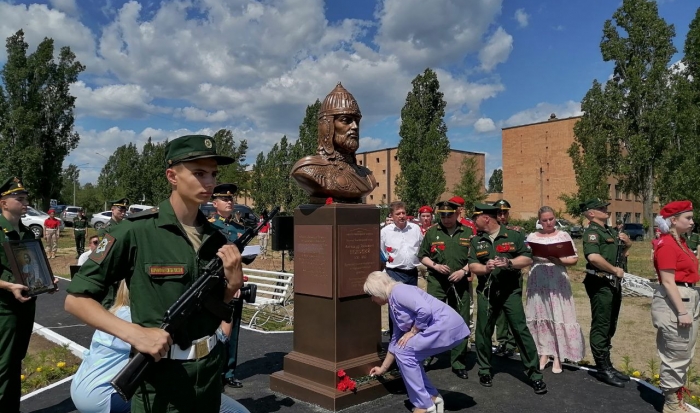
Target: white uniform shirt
[
  {"x": 401, "y": 245},
  {"x": 84, "y": 257}
]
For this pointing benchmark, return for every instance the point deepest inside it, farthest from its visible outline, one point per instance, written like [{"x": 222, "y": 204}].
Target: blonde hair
[
  {"x": 121, "y": 299},
  {"x": 379, "y": 285}
]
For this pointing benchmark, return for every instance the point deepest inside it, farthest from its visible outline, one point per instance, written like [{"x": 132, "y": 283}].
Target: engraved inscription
[
  {"x": 313, "y": 260},
  {"x": 358, "y": 255}
]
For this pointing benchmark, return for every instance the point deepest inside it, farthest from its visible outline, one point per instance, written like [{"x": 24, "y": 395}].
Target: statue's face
[{"x": 347, "y": 133}]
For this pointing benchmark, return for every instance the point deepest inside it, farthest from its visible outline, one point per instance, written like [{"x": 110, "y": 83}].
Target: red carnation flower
[
  {"x": 391, "y": 259},
  {"x": 433, "y": 249},
  {"x": 442, "y": 247},
  {"x": 341, "y": 373},
  {"x": 342, "y": 386},
  {"x": 245, "y": 278},
  {"x": 389, "y": 249},
  {"x": 329, "y": 201},
  {"x": 350, "y": 385}
]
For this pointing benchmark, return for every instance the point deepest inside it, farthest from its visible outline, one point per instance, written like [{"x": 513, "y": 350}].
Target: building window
[
  {"x": 383, "y": 196},
  {"x": 636, "y": 198},
  {"x": 360, "y": 162},
  {"x": 618, "y": 194},
  {"x": 377, "y": 160},
  {"x": 627, "y": 196},
  {"x": 383, "y": 171},
  {"x": 371, "y": 197},
  {"x": 638, "y": 218},
  {"x": 396, "y": 157},
  {"x": 618, "y": 216},
  {"x": 609, "y": 190}
]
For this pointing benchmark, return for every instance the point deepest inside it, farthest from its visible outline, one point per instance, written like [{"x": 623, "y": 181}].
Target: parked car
[
  {"x": 137, "y": 208},
  {"x": 635, "y": 231},
  {"x": 58, "y": 209},
  {"x": 101, "y": 219},
  {"x": 249, "y": 217},
  {"x": 69, "y": 214},
  {"x": 34, "y": 220}
]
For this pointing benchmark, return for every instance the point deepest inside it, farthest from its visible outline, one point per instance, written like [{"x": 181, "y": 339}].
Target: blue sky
[{"x": 168, "y": 68}]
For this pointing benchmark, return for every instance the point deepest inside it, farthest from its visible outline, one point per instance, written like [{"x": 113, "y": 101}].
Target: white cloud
[
  {"x": 67, "y": 6},
  {"x": 199, "y": 115},
  {"x": 542, "y": 111},
  {"x": 496, "y": 50},
  {"x": 559, "y": 28},
  {"x": 484, "y": 125},
  {"x": 522, "y": 18},
  {"x": 370, "y": 144},
  {"x": 114, "y": 101}
]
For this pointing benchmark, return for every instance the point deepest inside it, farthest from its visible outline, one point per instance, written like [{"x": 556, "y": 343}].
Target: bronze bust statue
[{"x": 334, "y": 171}]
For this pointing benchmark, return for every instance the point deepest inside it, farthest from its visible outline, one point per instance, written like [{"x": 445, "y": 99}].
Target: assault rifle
[
  {"x": 206, "y": 293},
  {"x": 620, "y": 256}
]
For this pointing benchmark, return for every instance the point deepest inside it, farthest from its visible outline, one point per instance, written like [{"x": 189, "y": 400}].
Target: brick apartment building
[
  {"x": 384, "y": 164},
  {"x": 537, "y": 169}
]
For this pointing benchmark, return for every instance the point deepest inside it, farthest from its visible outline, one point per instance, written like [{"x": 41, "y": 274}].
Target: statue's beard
[{"x": 345, "y": 144}]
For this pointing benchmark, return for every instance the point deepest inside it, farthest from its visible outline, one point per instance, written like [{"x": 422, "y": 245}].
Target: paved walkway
[{"x": 262, "y": 354}]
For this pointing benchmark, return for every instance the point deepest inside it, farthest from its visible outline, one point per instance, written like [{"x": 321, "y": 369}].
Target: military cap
[
  {"x": 487, "y": 209},
  {"x": 13, "y": 185},
  {"x": 191, "y": 147},
  {"x": 502, "y": 204},
  {"x": 593, "y": 204},
  {"x": 446, "y": 206},
  {"x": 224, "y": 190},
  {"x": 124, "y": 203}
]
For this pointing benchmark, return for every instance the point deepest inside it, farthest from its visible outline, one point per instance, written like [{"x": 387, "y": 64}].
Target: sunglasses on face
[{"x": 94, "y": 243}]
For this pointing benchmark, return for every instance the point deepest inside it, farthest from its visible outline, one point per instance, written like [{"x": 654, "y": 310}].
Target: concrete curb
[
  {"x": 54, "y": 337},
  {"x": 43, "y": 389}
]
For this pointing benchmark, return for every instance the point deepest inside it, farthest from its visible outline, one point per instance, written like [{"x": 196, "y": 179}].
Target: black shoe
[
  {"x": 461, "y": 373},
  {"x": 426, "y": 362},
  {"x": 486, "y": 380},
  {"x": 539, "y": 386},
  {"x": 508, "y": 353},
  {"x": 233, "y": 382},
  {"x": 500, "y": 349},
  {"x": 607, "y": 376}
]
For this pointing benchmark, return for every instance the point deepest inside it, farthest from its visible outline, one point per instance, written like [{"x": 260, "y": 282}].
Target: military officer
[
  {"x": 16, "y": 310},
  {"x": 444, "y": 251},
  {"x": 118, "y": 208},
  {"x": 223, "y": 202},
  {"x": 603, "y": 286},
  {"x": 80, "y": 224},
  {"x": 506, "y": 341},
  {"x": 496, "y": 256},
  {"x": 161, "y": 252}
]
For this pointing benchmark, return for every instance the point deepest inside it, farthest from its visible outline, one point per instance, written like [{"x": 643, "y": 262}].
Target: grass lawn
[{"x": 46, "y": 363}]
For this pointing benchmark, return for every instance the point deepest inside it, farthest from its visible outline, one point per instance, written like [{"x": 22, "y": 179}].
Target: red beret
[
  {"x": 425, "y": 209},
  {"x": 51, "y": 210},
  {"x": 457, "y": 200},
  {"x": 675, "y": 208}
]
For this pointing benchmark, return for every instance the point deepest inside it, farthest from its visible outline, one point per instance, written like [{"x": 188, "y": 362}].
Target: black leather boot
[
  {"x": 606, "y": 374},
  {"x": 620, "y": 375}
]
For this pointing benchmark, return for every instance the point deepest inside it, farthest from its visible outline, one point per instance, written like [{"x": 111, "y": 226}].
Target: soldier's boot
[
  {"x": 674, "y": 402},
  {"x": 607, "y": 375},
  {"x": 620, "y": 375}
]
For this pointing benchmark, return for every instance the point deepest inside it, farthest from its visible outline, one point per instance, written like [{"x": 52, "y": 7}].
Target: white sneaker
[{"x": 439, "y": 404}]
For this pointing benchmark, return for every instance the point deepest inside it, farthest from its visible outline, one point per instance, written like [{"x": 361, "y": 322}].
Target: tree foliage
[
  {"x": 424, "y": 145},
  {"x": 36, "y": 115},
  {"x": 496, "y": 181},
  {"x": 234, "y": 173},
  {"x": 626, "y": 124},
  {"x": 470, "y": 187}
]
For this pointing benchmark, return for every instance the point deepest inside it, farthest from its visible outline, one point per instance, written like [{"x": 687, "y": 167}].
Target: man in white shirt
[
  {"x": 92, "y": 245},
  {"x": 399, "y": 241}
]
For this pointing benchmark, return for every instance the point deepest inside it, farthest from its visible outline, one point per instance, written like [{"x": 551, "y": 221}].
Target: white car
[
  {"x": 101, "y": 219},
  {"x": 34, "y": 220}
]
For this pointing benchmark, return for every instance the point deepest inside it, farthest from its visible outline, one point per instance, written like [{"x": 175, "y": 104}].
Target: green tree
[
  {"x": 258, "y": 193},
  {"x": 154, "y": 187},
  {"x": 121, "y": 175},
  {"x": 424, "y": 145},
  {"x": 69, "y": 178},
  {"x": 471, "y": 186},
  {"x": 234, "y": 173},
  {"x": 632, "y": 111},
  {"x": 496, "y": 181},
  {"x": 306, "y": 145},
  {"x": 36, "y": 115},
  {"x": 90, "y": 198}
]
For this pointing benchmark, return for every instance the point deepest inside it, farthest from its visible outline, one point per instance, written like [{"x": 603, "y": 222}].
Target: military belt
[
  {"x": 78, "y": 229},
  {"x": 200, "y": 348},
  {"x": 601, "y": 274}
]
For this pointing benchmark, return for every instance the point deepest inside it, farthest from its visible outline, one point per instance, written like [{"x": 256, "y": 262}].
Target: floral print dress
[{"x": 550, "y": 308}]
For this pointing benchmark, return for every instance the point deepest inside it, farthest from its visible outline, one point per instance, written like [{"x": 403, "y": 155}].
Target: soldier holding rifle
[
  {"x": 161, "y": 252},
  {"x": 603, "y": 275}
]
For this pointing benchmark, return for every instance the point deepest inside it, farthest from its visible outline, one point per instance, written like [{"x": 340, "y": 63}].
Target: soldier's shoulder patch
[
  {"x": 103, "y": 249},
  {"x": 591, "y": 237},
  {"x": 143, "y": 214},
  {"x": 211, "y": 220}
]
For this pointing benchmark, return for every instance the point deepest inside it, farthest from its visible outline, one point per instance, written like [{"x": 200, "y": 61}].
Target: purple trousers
[{"x": 417, "y": 383}]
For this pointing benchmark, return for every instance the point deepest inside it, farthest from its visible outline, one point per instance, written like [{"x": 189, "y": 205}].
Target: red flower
[
  {"x": 350, "y": 385},
  {"x": 389, "y": 249},
  {"x": 341, "y": 373},
  {"x": 433, "y": 249},
  {"x": 329, "y": 201},
  {"x": 342, "y": 386},
  {"x": 390, "y": 259},
  {"x": 502, "y": 248},
  {"x": 245, "y": 278},
  {"x": 441, "y": 247}
]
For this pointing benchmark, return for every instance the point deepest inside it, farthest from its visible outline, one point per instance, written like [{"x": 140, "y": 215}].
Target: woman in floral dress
[{"x": 550, "y": 309}]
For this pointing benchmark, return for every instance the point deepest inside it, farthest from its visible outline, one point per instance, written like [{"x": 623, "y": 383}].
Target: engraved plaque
[
  {"x": 313, "y": 260},
  {"x": 358, "y": 249}
]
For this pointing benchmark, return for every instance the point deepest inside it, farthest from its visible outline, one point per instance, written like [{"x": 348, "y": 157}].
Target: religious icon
[{"x": 30, "y": 266}]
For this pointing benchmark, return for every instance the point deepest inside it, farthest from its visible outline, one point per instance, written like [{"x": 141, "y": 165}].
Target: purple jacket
[{"x": 440, "y": 325}]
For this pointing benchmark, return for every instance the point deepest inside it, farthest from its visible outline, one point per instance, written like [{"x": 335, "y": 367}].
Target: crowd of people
[{"x": 457, "y": 251}]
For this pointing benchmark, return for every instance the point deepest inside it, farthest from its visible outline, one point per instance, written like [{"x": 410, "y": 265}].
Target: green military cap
[
  {"x": 224, "y": 190},
  {"x": 124, "y": 202},
  {"x": 13, "y": 185},
  {"x": 502, "y": 204},
  {"x": 487, "y": 209},
  {"x": 446, "y": 206},
  {"x": 593, "y": 204},
  {"x": 191, "y": 147}
]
